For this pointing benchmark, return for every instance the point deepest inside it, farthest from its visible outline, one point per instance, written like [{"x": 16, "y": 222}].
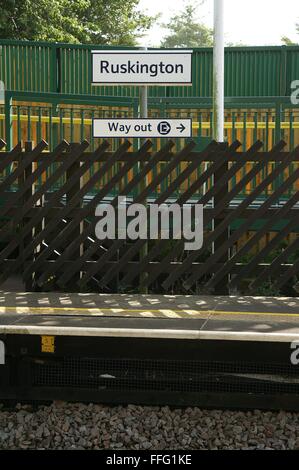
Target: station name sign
[
  {"x": 142, "y": 128},
  {"x": 142, "y": 67}
]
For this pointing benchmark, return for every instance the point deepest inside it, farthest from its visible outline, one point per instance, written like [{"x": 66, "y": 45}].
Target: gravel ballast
[{"x": 91, "y": 426}]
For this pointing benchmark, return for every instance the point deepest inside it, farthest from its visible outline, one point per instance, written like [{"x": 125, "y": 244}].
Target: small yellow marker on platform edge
[{"x": 48, "y": 344}]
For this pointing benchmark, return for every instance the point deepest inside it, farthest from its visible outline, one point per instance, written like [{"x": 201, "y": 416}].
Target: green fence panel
[
  {"x": 66, "y": 68},
  {"x": 28, "y": 66}
]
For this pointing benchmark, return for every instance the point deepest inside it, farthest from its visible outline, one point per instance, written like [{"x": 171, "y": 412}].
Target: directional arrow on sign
[{"x": 181, "y": 128}]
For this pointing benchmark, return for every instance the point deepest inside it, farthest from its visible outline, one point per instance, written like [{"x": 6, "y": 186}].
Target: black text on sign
[
  {"x": 142, "y": 128},
  {"x": 142, "y": 67}
]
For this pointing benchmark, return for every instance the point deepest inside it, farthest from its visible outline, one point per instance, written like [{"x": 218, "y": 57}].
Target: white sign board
[
  {"x": 142, "y": 128},
  {"x": 142, "y": 67}
]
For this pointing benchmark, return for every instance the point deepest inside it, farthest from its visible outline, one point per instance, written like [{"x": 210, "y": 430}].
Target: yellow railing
[{"x": 195, "y": 124}]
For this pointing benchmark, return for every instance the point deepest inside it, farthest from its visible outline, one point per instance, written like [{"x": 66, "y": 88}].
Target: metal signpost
[
  {"x": 143, "y": 68},
  {"x": 218, "y": 125},
  {"x": 218, "y": 72}
]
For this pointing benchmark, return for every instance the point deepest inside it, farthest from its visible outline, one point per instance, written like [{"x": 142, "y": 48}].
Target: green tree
[
  {"x": 186, "y": 30},
  {"x": 112, "y": 22},
  {"x": 287, "y": 41}
]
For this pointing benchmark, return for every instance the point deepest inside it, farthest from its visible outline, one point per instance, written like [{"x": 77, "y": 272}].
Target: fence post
[
  {"x": 69, "y": 195},
  {"x": 8, "y": 121},
  {"x": 222, "y": 287},
  {"x": 54, "y": 113},
  {"x": 28, "y": 238},
  {"x": 54, "y": 68},
  {"x": 278, "y": 111},
  {"x": 283, "y": 71}
]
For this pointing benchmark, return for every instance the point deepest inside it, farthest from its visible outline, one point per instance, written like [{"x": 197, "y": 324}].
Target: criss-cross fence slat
[
  {"x": 47, "y": 231},
  {"x": 246, "y": 225}
]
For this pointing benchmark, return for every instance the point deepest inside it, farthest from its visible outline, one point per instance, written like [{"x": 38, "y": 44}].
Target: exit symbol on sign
[{"x": 164, "y": 127}]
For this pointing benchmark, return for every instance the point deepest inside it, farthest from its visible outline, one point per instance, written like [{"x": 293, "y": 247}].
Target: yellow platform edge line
[{"x": 124, "y": 310}]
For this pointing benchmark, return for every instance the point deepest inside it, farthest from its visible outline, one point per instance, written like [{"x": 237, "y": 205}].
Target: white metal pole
[
  {"x": 218, "y": 72},
  {"x": 143, "y": 113},
  {"x": 143, "y": 106}
]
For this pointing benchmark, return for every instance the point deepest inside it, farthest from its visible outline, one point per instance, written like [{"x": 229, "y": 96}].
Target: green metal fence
[
  {"x": 66, "y": 68},
  {"x": 49, "y": 95},
  {"x": 36, "y": 122},
  {"x": 53, "y": 116}
]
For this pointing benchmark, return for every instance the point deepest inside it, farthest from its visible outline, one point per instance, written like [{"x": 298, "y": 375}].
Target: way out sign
[
  {"x": 142, "y": 67},
  {"x": 142, "y": 128}
]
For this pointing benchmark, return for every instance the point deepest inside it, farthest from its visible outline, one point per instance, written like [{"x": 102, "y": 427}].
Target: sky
[{"x": 250, "y": 22}]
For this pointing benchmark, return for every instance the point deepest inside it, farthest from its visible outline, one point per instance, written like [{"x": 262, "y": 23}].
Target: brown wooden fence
[{"x": 48, "y": 231}]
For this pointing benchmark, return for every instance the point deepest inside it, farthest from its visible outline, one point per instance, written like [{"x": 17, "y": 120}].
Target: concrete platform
[
  {"x": 239, "y": 318},
  {"x": 220, "y": 352}
]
